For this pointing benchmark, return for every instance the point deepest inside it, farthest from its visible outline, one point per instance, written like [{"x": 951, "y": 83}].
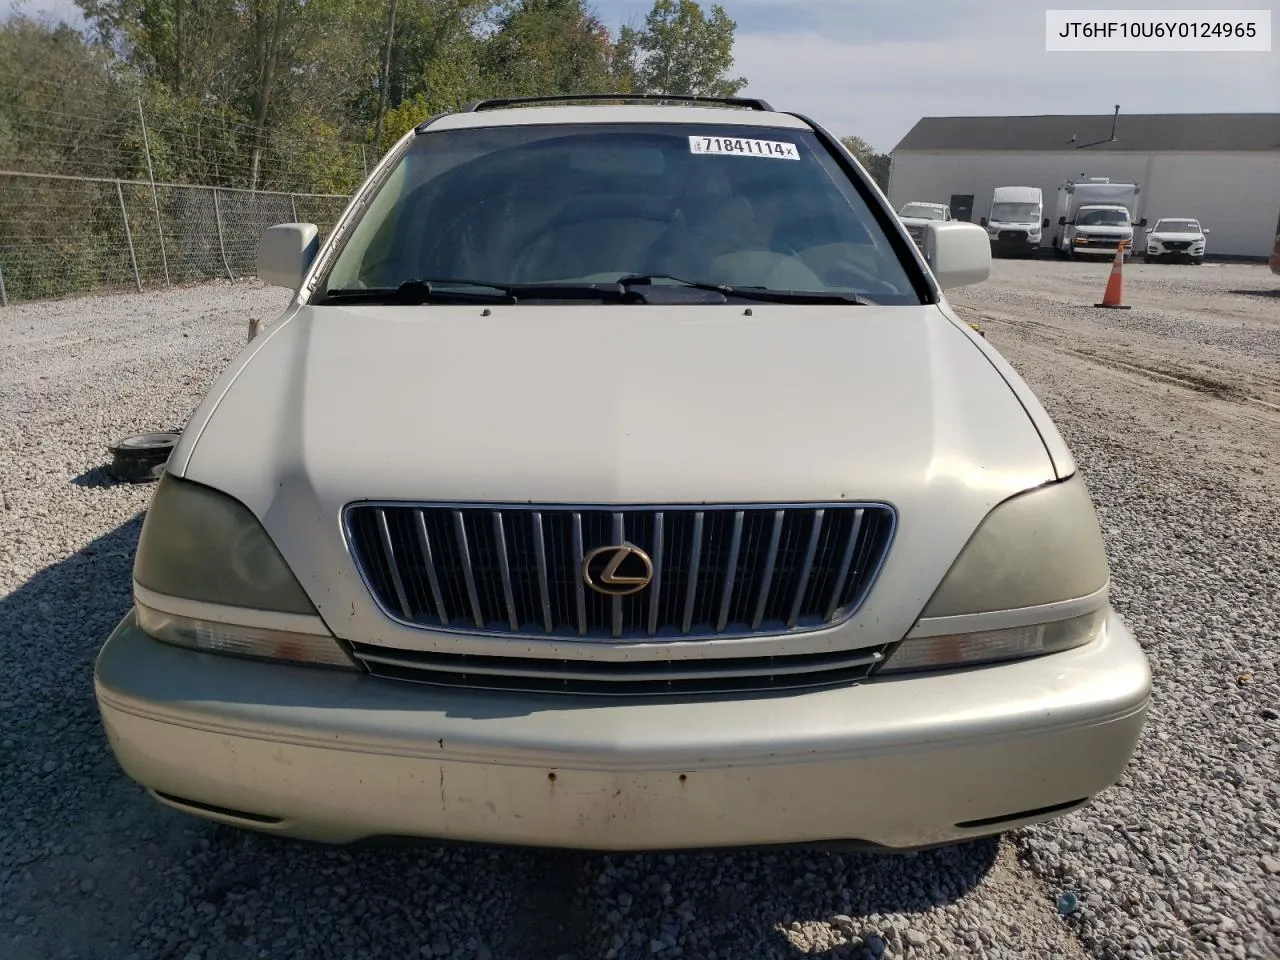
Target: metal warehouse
[{"x": 1220, "y": 168}]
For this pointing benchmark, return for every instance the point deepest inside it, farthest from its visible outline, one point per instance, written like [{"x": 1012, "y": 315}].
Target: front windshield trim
[
  {"x": 879, "y": 219},
  {"x": 317, "y": 278}
]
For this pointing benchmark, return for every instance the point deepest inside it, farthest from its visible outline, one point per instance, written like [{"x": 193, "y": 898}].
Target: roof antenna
[{"x": 1112, "y": 139}]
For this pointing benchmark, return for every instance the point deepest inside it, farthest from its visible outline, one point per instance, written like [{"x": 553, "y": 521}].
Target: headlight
[
  {"x": 207, "y": 576},
  {"x": 1032, "y": 580}
]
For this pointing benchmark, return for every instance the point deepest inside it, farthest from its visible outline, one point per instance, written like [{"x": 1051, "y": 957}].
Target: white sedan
[{"x": 620, "y": 478}]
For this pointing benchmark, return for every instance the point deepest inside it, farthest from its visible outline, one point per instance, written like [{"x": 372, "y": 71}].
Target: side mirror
[
  {"x": 1062, "y": 221},
  {"x": 1142, "y": 222},
  {"x": 1204, "y": 230},
  {"x": 1046, "y": 222},
  {"x": 983, "y": 221},
  {"x": 958, "y": 253},
  {"x": 285, "y": 253}
]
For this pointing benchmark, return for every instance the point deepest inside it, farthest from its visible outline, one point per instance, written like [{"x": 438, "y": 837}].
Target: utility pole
[{"x": 386, "y": 79}]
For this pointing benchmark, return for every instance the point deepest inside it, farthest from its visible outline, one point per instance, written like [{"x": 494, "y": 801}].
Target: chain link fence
[{"x": 63, "y": 235}]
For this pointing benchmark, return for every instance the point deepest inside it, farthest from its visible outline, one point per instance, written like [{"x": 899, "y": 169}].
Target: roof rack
[{"x": 749, "y": 103}]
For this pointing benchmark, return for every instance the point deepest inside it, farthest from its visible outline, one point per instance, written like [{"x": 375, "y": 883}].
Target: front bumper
[
  {"x": 1161, "y": 253},
  {"x": 1099, "y": 248},
  {"x": 896, "y": 763},
  {"x": 1022, "y": 244}
]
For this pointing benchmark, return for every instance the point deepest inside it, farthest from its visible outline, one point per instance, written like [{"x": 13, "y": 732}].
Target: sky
[{"x": 872, "y": 68}]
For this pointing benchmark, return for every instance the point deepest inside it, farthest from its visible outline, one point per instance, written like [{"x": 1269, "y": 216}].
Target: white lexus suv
[{"x": 619, "y": 478}]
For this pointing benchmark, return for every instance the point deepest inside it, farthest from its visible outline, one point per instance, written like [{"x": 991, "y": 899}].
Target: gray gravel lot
[{"x": 1171, "y": 408}]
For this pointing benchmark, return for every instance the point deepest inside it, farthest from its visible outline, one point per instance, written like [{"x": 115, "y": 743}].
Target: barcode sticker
[{"x": 735, "y": 146}]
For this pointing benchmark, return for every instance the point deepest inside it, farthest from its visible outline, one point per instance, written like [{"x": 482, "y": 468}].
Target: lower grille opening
[
  {"x": 196, "y": 805},
  {"x": 1023, "y": 815},
  {"x": 625, "y": 678}
]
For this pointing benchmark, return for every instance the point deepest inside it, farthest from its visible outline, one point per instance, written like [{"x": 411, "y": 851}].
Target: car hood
[
  {"x": 596, "y": 405},
  {"x": 1176, "y": 236}
]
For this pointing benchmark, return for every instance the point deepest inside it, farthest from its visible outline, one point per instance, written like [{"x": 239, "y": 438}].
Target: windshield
[
  {"x": 1177, "y": 226},
  {"x": 921, "y": 212},
  {"x": 1103, "y": 218},
  {"x": 542, "y": 204},
  {"x": 1015, "y": 212}
]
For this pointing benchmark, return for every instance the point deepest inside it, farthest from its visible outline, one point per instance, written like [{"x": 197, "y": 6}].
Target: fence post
[
  {"x": 155, "y": 201},
  {"x": 217, "y": 216},
  {"x": 293, "y": 205},
  {"x": 364, "y": 160},
  {"x": 4, "y": 297},
  {"x": 128, "y": 235}
]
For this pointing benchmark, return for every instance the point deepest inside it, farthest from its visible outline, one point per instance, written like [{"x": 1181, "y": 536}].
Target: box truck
[
  {"x": 1015, "y": 223},
  {"x": 1095, "y": 215}
]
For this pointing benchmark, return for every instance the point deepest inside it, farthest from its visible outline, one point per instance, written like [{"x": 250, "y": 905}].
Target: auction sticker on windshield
[{"x": 736, "y": 146}]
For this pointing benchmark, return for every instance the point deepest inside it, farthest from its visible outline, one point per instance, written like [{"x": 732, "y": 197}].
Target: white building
[{"x": 1221, "y": 168}]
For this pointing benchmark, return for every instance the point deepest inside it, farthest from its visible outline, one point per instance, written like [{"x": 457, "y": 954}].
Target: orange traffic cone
[{"x": 1113, "y": 296}]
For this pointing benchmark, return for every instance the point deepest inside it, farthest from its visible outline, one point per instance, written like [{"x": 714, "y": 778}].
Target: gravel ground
[{"x": 1169, "y": 409}]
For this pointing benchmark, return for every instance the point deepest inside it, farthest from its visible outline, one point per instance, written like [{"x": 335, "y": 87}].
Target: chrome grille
[
  {"x": 620, "y": 678},
  {"x": 917, "y": 234},
  {"x": 717, "y": 571}
]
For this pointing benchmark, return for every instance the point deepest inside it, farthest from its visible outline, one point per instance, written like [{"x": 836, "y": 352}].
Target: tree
[
  {"x": 185, "y": 45},
  {"x": 680, "y": 51},
  {"x": 547, "y": 47},
  {"x": 433, "y": 58},
  {"x": 265, "y": 60},
  {"x": 877, "y": 164},
  {"x": 385, "y": 77},
  {"x": 61, "y": 109}
]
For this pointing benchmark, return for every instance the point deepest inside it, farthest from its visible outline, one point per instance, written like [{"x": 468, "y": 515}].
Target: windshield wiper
[
  {"x": 759, "y": 294},
  {"x": 420, "y": 291},
  {"x": 448, "y": 291},
  {"x": 414, "y": 292}
]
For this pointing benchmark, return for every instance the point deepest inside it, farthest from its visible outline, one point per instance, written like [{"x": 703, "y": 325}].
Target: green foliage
[
  {"x": 546, "y": 47},
  {"x": 281, "y": 94},
  {"x": 400, "y": 120},
  {"x": 682, "y": 51},
  {"x": 876, "y": 164},
  {"x": 57, "y": 97},
  {"x": 276, "y": 100}
]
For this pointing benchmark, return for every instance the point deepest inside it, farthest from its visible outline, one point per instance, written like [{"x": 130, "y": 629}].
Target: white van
[{"x": 1016, "y": 222}]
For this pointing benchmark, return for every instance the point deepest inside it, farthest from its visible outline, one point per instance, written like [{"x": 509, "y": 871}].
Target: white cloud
[
  {"x": 878, "y": 89},
  {"x": 52, "y": 10},
  {"x": 874, "y": 67}
]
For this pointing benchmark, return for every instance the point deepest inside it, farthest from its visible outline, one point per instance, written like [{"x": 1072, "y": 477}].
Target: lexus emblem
[{"x": 617, "y": 571}]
